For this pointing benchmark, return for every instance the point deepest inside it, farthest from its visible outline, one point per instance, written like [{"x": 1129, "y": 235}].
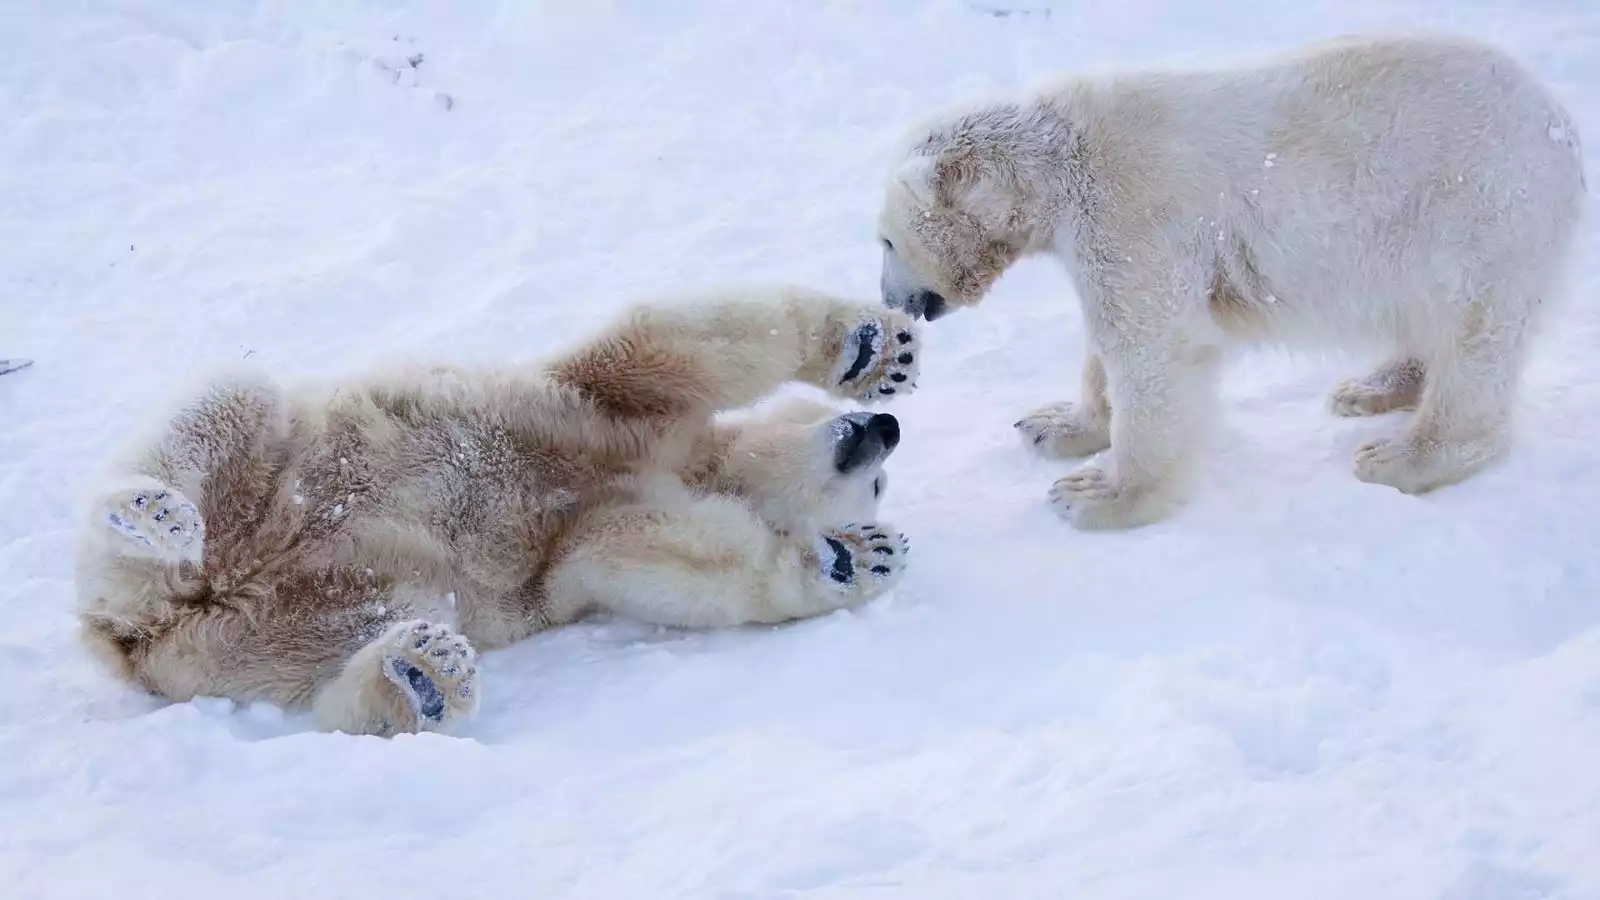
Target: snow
[{"x": 1303, "y": 686}]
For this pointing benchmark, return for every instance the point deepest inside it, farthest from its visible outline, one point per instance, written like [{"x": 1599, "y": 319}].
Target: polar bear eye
[{"x": 887, "y": 245}]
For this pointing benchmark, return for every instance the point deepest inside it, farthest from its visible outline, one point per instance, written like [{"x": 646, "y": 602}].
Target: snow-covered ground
[{"x": 1301, "y": 687}]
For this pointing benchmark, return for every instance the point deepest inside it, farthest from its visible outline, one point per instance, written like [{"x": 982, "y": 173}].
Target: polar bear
[
  {"x": 1412, "y": 195},
  {"x": 349, "y": 549}
]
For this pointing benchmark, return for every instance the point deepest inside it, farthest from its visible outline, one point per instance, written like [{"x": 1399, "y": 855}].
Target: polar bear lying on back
[
  {"x": 347, "y": 550},
  {"x": 1411, "y": 195}
]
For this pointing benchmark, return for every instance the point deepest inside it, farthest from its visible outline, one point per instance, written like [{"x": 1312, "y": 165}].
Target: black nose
[
  {"x": 864, "y": 440},
  {"x": 926, "y": 304},
  {"x": 887, "y": 428}
]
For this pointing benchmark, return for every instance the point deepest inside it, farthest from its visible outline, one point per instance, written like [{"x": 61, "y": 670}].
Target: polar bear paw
[
  {"x": 155, "y": 521},
  {"x": 1396, "y": 386},
  {"x": 878, "y": 358},
  {"x": 435, "y": 669},
  {"x": 1063, "y": 431},
  {"x": 865, "y": 560},
  {"x": 1092, "y": 500},
  {"x": 1415, "y": 466}
]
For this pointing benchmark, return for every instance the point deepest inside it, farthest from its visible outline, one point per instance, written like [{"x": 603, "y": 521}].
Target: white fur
[
  {"x": 916, "y": 175},
  {"x": 1414, "y": 195}
]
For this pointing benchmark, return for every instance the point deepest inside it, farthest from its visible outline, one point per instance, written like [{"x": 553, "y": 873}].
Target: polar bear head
[
  {"x": 966, "y": 199},
  {"x": 800, "y": 463}
]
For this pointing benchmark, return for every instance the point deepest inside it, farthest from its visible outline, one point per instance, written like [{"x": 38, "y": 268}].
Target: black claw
[
  {"x": 881, "y": 570},
  {"x": 161, "y": 515},
  {"x": 905, "y": 359},
  {"x": 139, "y": 501},
  {"x": 897, "y": 376},
  {"x": 161, "y": 495},
  {"x": 886, "y": 390},
  {"x": 904, "y": 337},
  {"x": 174, "y": 529},
  {"x": 887, "y": 551},
  {"x": 1019, "y": 424},
  {"x": 1038, "y": 438}
]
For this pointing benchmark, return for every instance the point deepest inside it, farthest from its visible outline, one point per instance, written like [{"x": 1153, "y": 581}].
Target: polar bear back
[{"x": 1343, "y": 190}]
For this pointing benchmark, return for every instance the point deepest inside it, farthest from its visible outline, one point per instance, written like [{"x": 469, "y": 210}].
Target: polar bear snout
[
  {"x": 919, "y": 304},
  {"x": 864, "y": 439},
  {"x": 903, "y": 289},
  {"x": 926, "y": 305}
]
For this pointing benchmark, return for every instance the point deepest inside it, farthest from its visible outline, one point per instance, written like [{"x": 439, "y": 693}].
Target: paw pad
[
  {"x": 839, "y": 568},
  {"x": 867, "y": 343},
  {"x": 863, "y": 557},
  {"x": 867, "y": 370},
  {"x": 434, "y": 668},
  {"x": 163, "y": 521},
  {"x": 424, "y": 693}
]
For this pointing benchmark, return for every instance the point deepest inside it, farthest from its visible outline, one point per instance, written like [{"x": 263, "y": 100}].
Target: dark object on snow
[{"x": 13, "y": 364}]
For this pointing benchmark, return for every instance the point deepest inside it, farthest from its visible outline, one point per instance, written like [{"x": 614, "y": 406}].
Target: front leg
[
  {"x": 1161, "y": 388},
  {"x": 1063, "y": 430},
  {"x": 710, "y": 563},
  {"x": 676, "y": 360}
]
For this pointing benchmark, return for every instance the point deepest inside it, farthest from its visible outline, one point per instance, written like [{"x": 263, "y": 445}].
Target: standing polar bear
[
  {"x": 1412, "y": 195},
  {"x": 351, "y": 549}
]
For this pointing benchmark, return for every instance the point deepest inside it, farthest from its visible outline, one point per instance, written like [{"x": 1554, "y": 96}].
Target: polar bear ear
[{"x": 916, "y": 175}]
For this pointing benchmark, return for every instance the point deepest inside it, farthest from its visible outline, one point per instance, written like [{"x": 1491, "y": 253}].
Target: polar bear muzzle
[
  {"x": 863, "y": 439},
  {"x": 926, "y": 305},
  {"x": 903, "y": 289}
]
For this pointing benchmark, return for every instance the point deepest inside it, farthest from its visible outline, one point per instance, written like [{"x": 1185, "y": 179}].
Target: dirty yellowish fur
[{"x": 350, "y": 549}]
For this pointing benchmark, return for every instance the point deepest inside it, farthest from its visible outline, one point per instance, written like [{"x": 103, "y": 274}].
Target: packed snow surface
[{"x": 1301, "y": 687}]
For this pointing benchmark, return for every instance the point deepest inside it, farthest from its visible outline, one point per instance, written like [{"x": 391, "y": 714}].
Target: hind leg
[
  {"x": 142, "y": 534},
  {"x": 211, "y": 443},
  {"x": 153, "y": 496},
  {"x": 140, "y": 543},
  {"x": 416, "y": 676},
  {"x": 1463, "y": 419},
  {"x": 1396, "y": 385}
]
